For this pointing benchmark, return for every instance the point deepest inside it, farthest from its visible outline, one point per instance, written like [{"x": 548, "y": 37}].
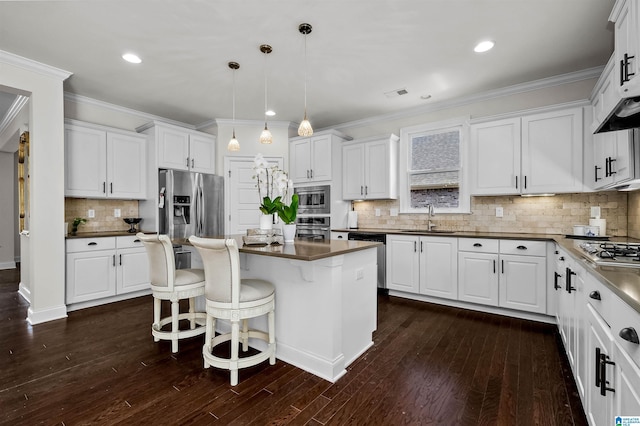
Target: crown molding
[
  {"x": 12, "y": 113},
  {"x": 31, "y": 65},
  {"x": 480, "y": 97},
  {"x": 79, "y": 99}
]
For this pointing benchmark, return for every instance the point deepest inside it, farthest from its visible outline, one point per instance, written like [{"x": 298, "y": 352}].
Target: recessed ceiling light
[
  {"x": 484, "y": 46},
  {"x": 131, "y": 57},
  {"x": 270, "y": 113},
  {"x": 425, "y": 97}
]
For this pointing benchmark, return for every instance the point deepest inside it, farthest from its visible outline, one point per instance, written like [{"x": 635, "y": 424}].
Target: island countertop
[{"x": 299, "y": 249}]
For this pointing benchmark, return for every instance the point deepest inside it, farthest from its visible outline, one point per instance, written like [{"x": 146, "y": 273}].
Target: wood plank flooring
[{"x": 430, "y": 365}]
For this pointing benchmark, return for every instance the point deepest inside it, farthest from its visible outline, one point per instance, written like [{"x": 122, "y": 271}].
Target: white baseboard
[
  {"x": 7, "y": 265},
  {"x": 25, "y": 292},
  {"x": 38, "y": 317}
]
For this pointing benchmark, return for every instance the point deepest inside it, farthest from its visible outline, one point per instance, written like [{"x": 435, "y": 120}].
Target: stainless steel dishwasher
[{"x": 382, "y": 257}]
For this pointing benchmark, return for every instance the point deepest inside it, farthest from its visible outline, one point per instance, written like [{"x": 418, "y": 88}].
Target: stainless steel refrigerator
[{"x": 191, "y": 204}]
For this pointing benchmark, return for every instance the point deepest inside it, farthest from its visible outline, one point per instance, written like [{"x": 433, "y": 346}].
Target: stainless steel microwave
[{"x": 314, "y": 199}]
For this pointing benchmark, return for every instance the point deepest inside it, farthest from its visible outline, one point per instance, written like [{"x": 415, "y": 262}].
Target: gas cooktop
[{"x": 611, "y": 253}]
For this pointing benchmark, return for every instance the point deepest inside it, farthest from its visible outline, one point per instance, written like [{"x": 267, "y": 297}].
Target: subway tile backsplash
[{"x": 547, "y": 215}]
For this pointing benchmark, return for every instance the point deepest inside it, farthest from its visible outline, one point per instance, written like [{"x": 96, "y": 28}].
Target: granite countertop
[
  {"x": 300, "y": 249},
  {"x": 104, "y": 234},
  {"x": 456, "y": 234}
]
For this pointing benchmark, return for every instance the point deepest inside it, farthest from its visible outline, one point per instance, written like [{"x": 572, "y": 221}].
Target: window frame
[{"x": 460, "y": 124}]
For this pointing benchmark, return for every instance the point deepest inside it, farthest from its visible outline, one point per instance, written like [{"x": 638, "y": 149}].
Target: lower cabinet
[
  {"x": 104, "y": 267},
  {"x": 422, "y": 265},
  {"x": 491, "y": 274}
]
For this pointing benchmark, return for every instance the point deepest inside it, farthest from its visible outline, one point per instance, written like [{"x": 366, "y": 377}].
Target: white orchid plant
[{"x": 275, "y": 189}]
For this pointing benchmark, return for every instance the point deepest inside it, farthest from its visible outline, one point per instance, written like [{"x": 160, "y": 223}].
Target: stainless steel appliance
[
  {"x": 611, "y": 253},
  {"x": 382, "y": 255},
  {"x": 315, "y": 228},
  {"x": 314, "y": 199},
  {"x": 191, "y": 204}
]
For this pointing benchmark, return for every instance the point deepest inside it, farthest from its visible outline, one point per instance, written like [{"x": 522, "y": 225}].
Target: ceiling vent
[{"x": 397, "y": 92}]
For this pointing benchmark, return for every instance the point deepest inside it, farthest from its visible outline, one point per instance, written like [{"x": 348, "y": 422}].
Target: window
[{"x": 434, "y": 173}]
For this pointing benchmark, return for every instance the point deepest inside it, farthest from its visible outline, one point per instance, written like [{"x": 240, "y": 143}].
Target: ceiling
[{"x": 358, "y": 50}]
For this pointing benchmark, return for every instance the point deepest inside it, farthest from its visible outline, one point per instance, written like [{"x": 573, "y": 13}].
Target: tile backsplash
[
  {"x": 547, "y": 215},
  {"x": 104, "y": 219}
]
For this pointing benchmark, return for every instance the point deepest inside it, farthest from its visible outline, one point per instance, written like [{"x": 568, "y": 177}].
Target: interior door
[{"x": 241, "y": 195}]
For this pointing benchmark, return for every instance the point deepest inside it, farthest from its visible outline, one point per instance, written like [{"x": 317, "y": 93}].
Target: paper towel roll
[
  {"x": 352, "y": 219},
  {"x": 601, "y": 223}
]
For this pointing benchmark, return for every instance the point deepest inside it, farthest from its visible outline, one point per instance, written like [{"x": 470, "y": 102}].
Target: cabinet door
[
  {"x": 523, "y": 283},
  {"x": 353, "y": 164},
  {"x": 377, "y": 178},
  {"x": 321, "y": 158},
  {"x": 478, "y": 278},
  {"x": 85, "y": 162},
  {"x": 495, "y": 157},
  {"x": 202, "y": 154},
  {"x": 622, "y": 165},
  {"x": 599, "y": 341},
  {"x": 173, "y": 149},
  {"x": 603, "y": 144},
  {"x": 403, "y": 263},
  {"x": 90, "y": 275},
  {"x": 552, "y": 152},
  {"x": 626, "y": 382},
  {"x": 126, "y": 166},
  {"x": 439, "y": 267},
  {"x": 133, "y": 270},
  {"x": 626, "y": 43},
  {"x": 300, "y": 161}
]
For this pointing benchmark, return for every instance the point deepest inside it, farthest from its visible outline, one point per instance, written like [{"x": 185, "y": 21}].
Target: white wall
[
  {"x": 46, "y": 126},
  {"x": 7, "y": 217}
]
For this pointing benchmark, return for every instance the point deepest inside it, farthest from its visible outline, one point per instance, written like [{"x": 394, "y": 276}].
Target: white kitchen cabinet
[
  {"x": 490, "y": 273},
  {"x": 184, "y": 149},
  {"x": 605, "y": 95},
  {"x": 439, "y": 267},
  {"x": 422, "y": 265},
  {"x": 403, "y": 263},
  {"x": 528, "y": 154},
  {"x": 625, "y": 382},
  {"x": 99, "y": 268},
  {"x": 103, "y": 162},
  {"x": 310, "y": 157},
  {"x": 625, "y": 16},
  {"x": 616, "y": 158},
  {"x": 339, "y": 235},
  {"x": 370, "y": 168},
  {"x": 599, "y": 343}
]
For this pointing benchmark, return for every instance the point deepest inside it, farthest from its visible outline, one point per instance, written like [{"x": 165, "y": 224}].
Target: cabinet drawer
[
  {"x": 600, "y": 297},
  {"x": 90, "y": 244},
  {"x": 625, "y": 318},
  {"x": 478, "y": 245},
  {"x": 523, "y": 247},
  {"x": 129, "y": 241}
]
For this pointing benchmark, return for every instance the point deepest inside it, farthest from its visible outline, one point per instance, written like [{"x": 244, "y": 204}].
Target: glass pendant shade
[
  {"x": 265, "y": 136},
  {"x": 234, "y": 145},
  {"x": 305, "y": 127}
]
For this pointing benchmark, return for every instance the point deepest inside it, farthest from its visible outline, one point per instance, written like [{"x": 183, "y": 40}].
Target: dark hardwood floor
[{"x": 429, "y": 365}]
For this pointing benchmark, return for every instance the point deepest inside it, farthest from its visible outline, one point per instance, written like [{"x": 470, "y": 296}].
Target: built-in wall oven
[
  {"x": 314, "y": 200},
  {"x": 314, "y": 228}
]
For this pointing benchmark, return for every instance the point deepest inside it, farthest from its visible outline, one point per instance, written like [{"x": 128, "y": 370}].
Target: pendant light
[
  {"x": 305, "y": 127},
  {"x": 234, "y": 145},
  {"x": 265, "y": 136}
]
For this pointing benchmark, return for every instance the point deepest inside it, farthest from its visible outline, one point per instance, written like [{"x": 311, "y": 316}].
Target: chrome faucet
[{"x": 430, "y": 213}]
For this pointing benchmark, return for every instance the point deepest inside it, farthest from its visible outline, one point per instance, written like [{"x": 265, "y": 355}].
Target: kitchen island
[{"x": 326, "y": 300}]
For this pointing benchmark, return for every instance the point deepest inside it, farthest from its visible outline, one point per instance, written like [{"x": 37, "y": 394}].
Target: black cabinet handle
[
  {"x": 516, "y": 182},
  {"x": 415, "y": 246},
  {"x": 521, "y": 248},
  {"x": 561, "y": 258},
  {"x": 555, "y": 280},
  {"x": 606, "y": 167},
  {"x": 604, "y": 360},
  {"x": 611, "y": 161},
  {"x": 120, "y": 260},
  {"x": 111, "y": 187},
  {"x": 502, "y": 265},
  {"x": 596, "y": 173},
  {"x": 92, "y": 243},
  {"x": 137, "y": 240},
  {"x": 420, "y": 246},
  {"x": 193, "y": 163},
  {"x": 114, "y": 260},
  {"x": 525, "y": 182},
  {"x": 629, "y": 334},
  {"x": 311, "y": 173},
  {"x": 340, "y": 237},
  {"x": 568, "y": 287},
  {"x": 494, "y": 266},
  {"x": 366, "y": 190},
  {"x": 104, "y": 187},
  {"x": 624, "y": 69},
  {"x": 595, "y": 295},
  {"x": 361, "y": 187},
  {"x": 597, "y": 362},
  {"x": 187, "y": 162},
  {"x": 477, "y": 245}
]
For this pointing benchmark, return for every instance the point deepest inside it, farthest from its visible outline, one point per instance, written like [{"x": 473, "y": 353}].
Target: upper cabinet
[
  {"x": 310, "y": 158},
  {"x": 184, "y": 149},
  {"x": 104, "y": 162},
  {"x": 370, "y": 168},
  {"x": 625, "y": 16},
  {"x": 528, "y": 154},
  {"x": 615, "y": 157}
]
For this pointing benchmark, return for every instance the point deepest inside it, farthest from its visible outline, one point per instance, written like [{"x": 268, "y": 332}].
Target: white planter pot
[
  {"x": 289, "y": 232},
  {"x": 266, "y": 221}
]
